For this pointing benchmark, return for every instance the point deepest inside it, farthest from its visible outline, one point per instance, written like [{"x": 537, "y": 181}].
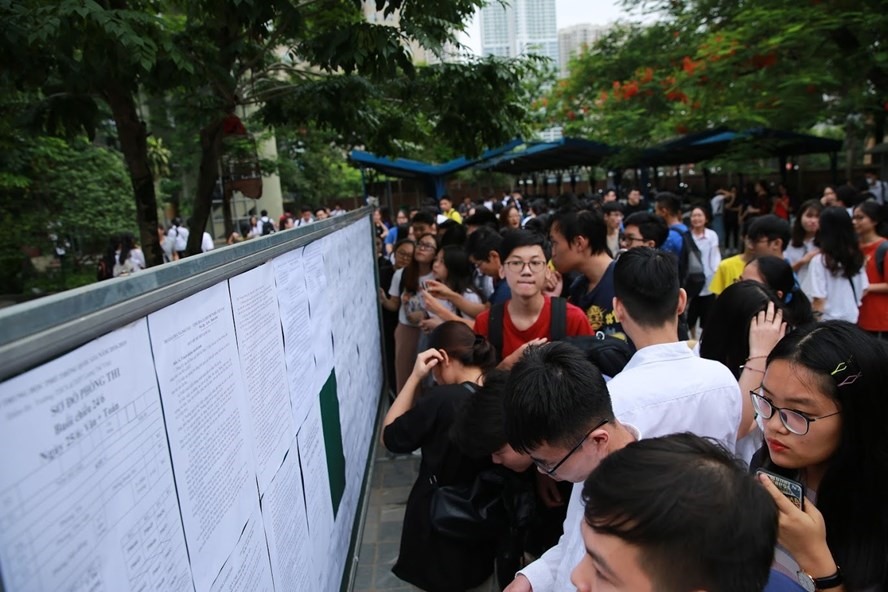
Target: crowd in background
[{"x": 589, "y": 350}]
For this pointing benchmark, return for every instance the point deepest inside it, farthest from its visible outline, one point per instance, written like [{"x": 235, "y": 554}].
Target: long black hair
[
  {"x": 877, "y": 213},
  {"x": 778, "y": 276},
  {"x": 838, "y": 243},
  {"x": 850, "y": 368},
  {"x": 798, "y": 231},
  {"x": 127, "y": 244},
  {"x": 726, "y": 337},
  {"x": 459, "y": 269}
]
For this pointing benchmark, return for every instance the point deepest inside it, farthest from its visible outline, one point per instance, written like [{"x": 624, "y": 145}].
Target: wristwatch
[{"x": 812, "y": 584}]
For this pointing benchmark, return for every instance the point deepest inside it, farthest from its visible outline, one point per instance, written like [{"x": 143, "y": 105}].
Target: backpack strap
[
  {"x": 558, "y": 319},
  {"x": 881, "y": 250},
  {"x": 495, "y": 328}
]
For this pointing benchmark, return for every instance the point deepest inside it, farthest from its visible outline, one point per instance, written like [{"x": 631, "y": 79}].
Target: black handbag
[{"x": 471, "y": 511}]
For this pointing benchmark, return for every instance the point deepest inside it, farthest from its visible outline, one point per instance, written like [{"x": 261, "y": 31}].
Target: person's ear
[
  {"x": 650, "y": 243},
  {"x": 579, "y": 243},
  {"x": 445, "y": 359},
  {"x": 780, "y": 294},
  {"x": 618, "y": 309},
  {"x": 682, "y": 301}
]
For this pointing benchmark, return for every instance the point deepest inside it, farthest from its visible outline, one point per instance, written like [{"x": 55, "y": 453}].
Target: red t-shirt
[
  {"x": 577, "y": 324},
  {"x": 874, "y": 310}
]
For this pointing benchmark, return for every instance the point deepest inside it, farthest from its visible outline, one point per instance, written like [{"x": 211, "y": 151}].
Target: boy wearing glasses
[{"x": 527, "y": 315}]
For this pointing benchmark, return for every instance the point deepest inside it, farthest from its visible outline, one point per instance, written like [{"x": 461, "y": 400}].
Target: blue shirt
[
  {"x": 674, "y": 243},
  {"x": 501, "y": 293},
  {"x": 597, "y": 303}
]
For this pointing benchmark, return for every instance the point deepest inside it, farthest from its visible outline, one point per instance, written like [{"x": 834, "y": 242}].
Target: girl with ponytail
[
  {"x": 776, "y": 273},
  {"x": 458, "y": 359}
]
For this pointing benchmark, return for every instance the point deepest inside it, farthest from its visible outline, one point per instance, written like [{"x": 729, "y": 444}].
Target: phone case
[{"x": 793, "y": 490}]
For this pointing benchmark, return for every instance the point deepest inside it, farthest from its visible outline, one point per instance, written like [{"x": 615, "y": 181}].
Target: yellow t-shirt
[
  {"x": 728, "y": 272},
  {"x": 454, "y": 215}
]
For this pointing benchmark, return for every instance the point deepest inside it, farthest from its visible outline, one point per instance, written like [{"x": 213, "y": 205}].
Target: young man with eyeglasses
[
  {"x": 664, "y": 389},
  {"x": 643, "y": 229},
  {"x": 579, "y": 244},
  {"x": 527, "y": 315},
  {"x": 557, "y": 409}
]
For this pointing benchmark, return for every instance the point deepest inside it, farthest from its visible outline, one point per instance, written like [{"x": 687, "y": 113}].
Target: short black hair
[
  {"x": 700, "y": 521},
  {"x": 651, "y": 227},
  {"x": 423, "y": 217},
  {"x": 588, "y": 223},
  {"x": 669, "y": 202},
  {"x": 514, "y": 239},
  {"x": 479, "y": 429},
  {"x": 772, "y": 227},
  {"x": 646, "y": 282},
  {"x": 611, "y": 206},
  {"x": 554, "y": 395},
  {"x": 480, "y": 243},
  {"x": 481, "y": 217}
]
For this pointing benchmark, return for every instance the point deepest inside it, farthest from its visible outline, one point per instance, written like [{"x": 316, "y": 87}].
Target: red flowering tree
[{"x": 788, "y": 64}]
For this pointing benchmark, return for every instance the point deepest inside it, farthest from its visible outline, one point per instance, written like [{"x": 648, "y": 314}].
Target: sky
[{"x": 567, "y": 13}]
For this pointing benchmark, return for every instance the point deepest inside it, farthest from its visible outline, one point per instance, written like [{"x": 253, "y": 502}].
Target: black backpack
[
  {"x": 267, "y": 227},
  {"x": 610, "y": 354},
  {"x": 690, "y": 266}
]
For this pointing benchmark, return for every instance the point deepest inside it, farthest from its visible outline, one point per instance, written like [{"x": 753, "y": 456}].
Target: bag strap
[
  {"x": 558, "y": 319},
  {"x": 853, "y": 291},
  {"x": 470, "y": 386},
  {"x": 881, "y": 250},
  {"x": 495, "y": 328}
]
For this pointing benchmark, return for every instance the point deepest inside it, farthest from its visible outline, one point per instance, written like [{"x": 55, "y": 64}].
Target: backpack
[
  {"x": 880, "y": 258},
  {"x": 609, "y": 354},
  {"x": 690, "y": 266},
  {"x": 267, "y": 227}
]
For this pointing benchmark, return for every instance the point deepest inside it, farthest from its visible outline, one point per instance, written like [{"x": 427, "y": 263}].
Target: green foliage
[
  {"x": 313, "y": 168},
  {"x": 76, "y": 192},
  {"x": 786, "y": 64}
]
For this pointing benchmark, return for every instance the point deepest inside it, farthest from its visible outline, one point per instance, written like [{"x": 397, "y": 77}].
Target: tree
[
  {"x": 224, "y": 54},
  {"x": 776, "y": 63},
  {"x": 312, "y": 166},
  {"x": 76, "y": 191}
]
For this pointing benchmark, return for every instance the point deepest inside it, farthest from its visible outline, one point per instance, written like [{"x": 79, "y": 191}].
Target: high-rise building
[
  {"x": 573, "y": 40},
  {"x": 519, "y": 27}
]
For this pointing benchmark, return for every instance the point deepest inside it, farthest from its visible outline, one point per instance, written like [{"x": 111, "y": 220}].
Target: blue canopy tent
[{"x": 434, "y": 176}]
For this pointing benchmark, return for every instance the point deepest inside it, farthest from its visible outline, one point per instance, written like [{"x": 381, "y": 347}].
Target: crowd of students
[{"x": 639, "y": 471}]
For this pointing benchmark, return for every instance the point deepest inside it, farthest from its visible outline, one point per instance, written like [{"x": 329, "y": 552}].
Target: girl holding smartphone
[{"x": 822, "y": 408}]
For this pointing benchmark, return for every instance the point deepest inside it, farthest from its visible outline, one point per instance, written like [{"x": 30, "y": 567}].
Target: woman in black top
[{"x": 457, "y": 359}]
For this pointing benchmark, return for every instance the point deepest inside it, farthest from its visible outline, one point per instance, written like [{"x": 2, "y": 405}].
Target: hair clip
[
  {"x": 850, "y": 379},
  {"x": 841, "y": 367}
]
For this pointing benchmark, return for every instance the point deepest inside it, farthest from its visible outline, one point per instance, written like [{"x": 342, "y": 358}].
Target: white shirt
[
  {"x": 794, "y": 254},
  {"x": 710, "y": 254},
  {"x": 842, "y": 301},
  {"x": 558, "y": 562},
  {"x": 206, "y": 243},
  {"x": 664, "y": 389},
  {"x": 717, "y": 203},
  {"x": 179, "y": 236},
  {"x": 415, "y": 303}
]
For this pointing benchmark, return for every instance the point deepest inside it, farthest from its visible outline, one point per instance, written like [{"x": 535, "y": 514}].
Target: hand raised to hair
[
  {"x": 765, "y": 330},
  {"x": 425, "y": 361},
  {"x": 440, "y": 290},
  {"x": 513, "y": 357}
]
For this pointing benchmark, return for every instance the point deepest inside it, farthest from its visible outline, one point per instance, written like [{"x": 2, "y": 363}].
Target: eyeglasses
[
  {"x": 405, "y": 254},
  {"x": 544, "y": 466},
  {"x": 517, "y": 265},
  {"x": 794, "y": 421},
  {"x": 427, "y": 246},
  {"x": 631, "y": 239}
]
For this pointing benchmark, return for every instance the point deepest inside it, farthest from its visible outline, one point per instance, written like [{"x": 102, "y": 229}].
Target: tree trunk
[
  {"x": 211, "y": 148},
  {"x": 133, "y": 142}
]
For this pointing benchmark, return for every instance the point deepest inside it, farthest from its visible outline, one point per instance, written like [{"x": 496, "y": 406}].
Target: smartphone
[{"x": 793, "y": 490}]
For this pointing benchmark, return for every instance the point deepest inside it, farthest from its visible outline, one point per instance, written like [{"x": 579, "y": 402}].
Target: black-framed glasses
[
  {"x": 517, "y": 265},
  {"x": 544, "y": 466},
  {"x": 795, "y": 421},
  {"x": 427, "y": 246}
]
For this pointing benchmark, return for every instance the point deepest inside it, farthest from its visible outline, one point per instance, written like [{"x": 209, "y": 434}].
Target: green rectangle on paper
[{"x": 333, "y": 440}]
